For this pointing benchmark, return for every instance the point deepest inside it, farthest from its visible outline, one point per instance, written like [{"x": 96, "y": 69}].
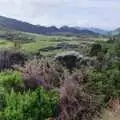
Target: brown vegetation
[{"x": 75, "y": 102}]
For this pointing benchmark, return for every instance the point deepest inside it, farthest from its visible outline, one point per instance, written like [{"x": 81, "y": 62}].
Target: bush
[
  {"x": 37, "y": 105},
  {"x": 75, "y": 102},
  {"x": 105, "y": 83},
  {"x": 10, "y": 58},
  {"x": 11, "y": 80},
  {"x": 69, "y": 59},
  {"x": 42, "y": 72},
  {"x": 96, "y": 48}
]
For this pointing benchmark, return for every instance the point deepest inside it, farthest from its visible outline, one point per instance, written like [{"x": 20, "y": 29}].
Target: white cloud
[{"x": 99, "y": 13}]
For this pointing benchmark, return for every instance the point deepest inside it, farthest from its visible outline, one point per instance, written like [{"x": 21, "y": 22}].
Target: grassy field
[
  {"x": 42, "y": 41},
  {"x": 5, "y": 44}
]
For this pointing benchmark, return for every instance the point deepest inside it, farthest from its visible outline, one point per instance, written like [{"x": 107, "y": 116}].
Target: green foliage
[
  {"x": 26, "y": 105},
  {"x": 105, "y": 83},
  {"x": 2, "y": 98},
  {"x": 37, "y": 105},
  {"x": 96, "y": 48},
  {"x": 11, "y": 79},
  {"x": 114, "y": 51}
]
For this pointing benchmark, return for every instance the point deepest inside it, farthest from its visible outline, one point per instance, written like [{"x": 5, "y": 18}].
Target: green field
[
  {"x": 42, "y": 41},
  {"x": 5, "y": 44}
]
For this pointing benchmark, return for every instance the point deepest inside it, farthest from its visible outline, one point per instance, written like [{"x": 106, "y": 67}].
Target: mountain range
[
  {"x": 96, "y": 30},
  {"x": 13, "y": 24}
]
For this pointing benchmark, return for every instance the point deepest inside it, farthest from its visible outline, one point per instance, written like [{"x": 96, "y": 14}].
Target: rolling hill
[{"x": 13, "y": 24}]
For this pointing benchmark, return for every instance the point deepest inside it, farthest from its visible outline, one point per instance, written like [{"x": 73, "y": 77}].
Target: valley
[{"x": 66, "y": 73}]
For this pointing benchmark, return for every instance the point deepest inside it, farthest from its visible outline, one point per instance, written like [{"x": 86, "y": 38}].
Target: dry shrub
[
  {"x": 8, "y": 58},
  {"x": 114, "y": 105},
  {"x": 75, "y": 102},
  {"x": 42, "y": 72}
]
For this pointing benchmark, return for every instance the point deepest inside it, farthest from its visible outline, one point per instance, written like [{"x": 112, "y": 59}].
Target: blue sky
[{"x": 84, "y": 13}]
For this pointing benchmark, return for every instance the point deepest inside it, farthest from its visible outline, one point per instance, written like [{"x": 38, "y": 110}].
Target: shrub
[
  {"x": 37, "y": 105},
  {"x": 75, "y": 102},
  {"x": 9, "y": 58},
  {"x": 105, "y": 83},
  {"x": 69, "y": 59},
  {"x": 11, "y": 80},
  {"x": 42, "y": 72},
  {"x": 96, "y": 48}
]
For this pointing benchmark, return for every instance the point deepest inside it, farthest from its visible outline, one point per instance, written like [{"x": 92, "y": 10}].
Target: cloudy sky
[{"x": 85, "y": 13}]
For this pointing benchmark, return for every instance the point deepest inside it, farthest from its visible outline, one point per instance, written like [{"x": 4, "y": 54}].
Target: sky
[{"x": 103, "y": 14}]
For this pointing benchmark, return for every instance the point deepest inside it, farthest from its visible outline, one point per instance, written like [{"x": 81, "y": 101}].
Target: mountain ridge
[
  {"x": 13, "y": 24},
  {"x": 93, "y": 29},
  {"x": 18, "y": 25}
]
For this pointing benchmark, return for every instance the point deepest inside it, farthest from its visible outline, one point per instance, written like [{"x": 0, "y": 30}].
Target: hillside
[
  {"x": 116, "y": 31},
  {"x": 8, "y": 23},
  {"x": 95, "y": 30}
]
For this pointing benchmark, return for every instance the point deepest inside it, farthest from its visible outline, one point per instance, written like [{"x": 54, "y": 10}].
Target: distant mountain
[
  {"x": 116, "y": 31},
  {"x": 96, "y": 30},
  {"x": 100, "y": 31},
  {"x": 13, "y": 24}
]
